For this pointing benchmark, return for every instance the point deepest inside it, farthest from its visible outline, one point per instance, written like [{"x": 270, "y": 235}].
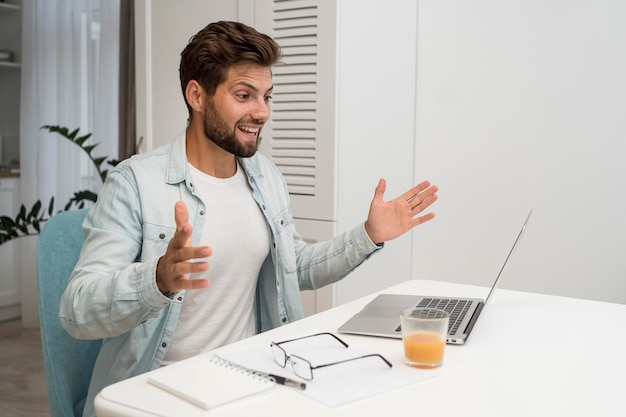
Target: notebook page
[
  {"x": 334, "y": 385},
  {"x": 208, "y": 382}
]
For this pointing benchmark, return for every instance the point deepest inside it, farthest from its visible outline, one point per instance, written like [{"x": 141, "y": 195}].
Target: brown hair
[{"x": 213, "y": 50}]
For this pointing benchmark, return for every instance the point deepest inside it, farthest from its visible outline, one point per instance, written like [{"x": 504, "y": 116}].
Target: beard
[{"x": 218, "y": 131}]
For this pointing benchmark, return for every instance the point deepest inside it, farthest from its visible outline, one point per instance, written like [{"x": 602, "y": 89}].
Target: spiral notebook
[{"x": 208, "y": 381}]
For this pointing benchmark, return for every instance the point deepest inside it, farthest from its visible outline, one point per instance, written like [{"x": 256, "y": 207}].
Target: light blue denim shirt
[{"x": 112, "y": 293}]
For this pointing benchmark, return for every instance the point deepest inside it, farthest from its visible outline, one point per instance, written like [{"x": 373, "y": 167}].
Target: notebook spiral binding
[{"x": 242, "y": 369}]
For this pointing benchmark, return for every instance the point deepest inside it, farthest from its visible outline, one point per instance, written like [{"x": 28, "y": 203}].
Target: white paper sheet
[{"x": 338, "y": 384}]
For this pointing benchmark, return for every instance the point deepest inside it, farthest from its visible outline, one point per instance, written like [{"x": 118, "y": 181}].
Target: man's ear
[{"x": 195, "y": 95}]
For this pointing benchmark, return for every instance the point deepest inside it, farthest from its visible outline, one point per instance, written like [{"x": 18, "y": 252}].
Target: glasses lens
[
  {"x": 301, "y": 367},
  {"x": 279, "y": 355}
]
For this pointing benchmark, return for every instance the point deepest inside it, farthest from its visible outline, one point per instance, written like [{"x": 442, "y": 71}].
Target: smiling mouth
[{"x": 251, "y": 132}]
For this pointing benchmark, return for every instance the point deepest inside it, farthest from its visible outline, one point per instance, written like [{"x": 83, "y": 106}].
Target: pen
[
  {"x": 288, "y": 382},
  {"x": 276, "y": 378}
]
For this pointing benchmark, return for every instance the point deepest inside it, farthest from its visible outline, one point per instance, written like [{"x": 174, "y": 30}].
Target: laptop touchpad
[{"x": 381, "y": 312}]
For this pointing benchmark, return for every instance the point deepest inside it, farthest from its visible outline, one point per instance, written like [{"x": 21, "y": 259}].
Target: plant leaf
[
  {"x": 51, "y": 206},
  {"x": 79, "y": 141},
  {"x": 73, "y": 134},
  {"x": 34, "y": 211},
  {"x": 7, "y": 222}
]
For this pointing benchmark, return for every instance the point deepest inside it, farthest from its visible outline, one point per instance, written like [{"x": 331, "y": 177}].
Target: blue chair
[{"x": 68, "y": 362}]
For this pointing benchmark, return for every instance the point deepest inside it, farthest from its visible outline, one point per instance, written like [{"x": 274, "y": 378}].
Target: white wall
[
  {"x": 519, "y": 104},
  {"x": 163, "y": 28},
  {"x": 375, "y": 127},
  {"x": 522, "y": 104}
]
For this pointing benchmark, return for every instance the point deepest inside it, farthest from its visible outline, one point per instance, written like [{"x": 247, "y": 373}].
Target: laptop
[{"x": 381, "y": 316}]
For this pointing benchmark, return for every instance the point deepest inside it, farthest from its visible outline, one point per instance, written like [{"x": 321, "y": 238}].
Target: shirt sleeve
[
  {"x": 324, "y": 263},
  {"x": 110, "y": 291}
]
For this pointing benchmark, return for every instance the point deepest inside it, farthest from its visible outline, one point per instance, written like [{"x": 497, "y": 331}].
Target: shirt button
[
  {"x": 284, "y": 319},
  {"x": 162, "y": 236},
  {"x": 163, "y": 344},
  {"x": 202, "y": 212},
  {"x": 282, "y": 222},
  {"x": 180, "y": 298}
]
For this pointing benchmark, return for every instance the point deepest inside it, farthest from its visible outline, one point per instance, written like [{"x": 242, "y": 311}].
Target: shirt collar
[{"x": 177, "y": 162}]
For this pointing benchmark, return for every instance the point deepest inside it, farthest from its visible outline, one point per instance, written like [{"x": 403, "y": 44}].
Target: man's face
[{"x": 235, "y": 115}]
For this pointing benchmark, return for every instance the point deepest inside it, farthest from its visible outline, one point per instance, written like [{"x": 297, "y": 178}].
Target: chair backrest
[{"x": 68, "y": 362}]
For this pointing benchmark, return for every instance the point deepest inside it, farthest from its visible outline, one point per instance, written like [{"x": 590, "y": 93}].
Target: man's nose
[{"x": 261, "y": 110}]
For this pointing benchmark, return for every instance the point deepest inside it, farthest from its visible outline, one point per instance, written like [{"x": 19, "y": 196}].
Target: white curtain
[
  {"x": 70, "y": 52},
  {"x": 70, "y": 56}
]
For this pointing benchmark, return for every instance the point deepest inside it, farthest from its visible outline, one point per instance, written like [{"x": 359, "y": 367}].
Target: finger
[
  {"x": 179, "y": 271},
  {"x": 414, "y": 192},
  {"x": 423, "y": 203},
  {"x": 423, "y": 199},
  {"x": 193, "y": 284},
  {"x": 419, "y": 198},
  {"x": 191, "y": 260},
  {"x": 182, "y": 236},
  {"x": 422, "y": 219},
  {"x": 182, "y": 282},
  {"x": 379, "y": 192},
  {"x": 181, "y": 215}
]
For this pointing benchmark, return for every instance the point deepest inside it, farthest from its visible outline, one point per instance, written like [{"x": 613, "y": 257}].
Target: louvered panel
[
  {"x": 303, "y": 187},
  {"x": 299, "y": 191},
  {"x": 300, "y": 130},
  {"x": 288, "y": 116},
  {"x": 285, "y": 89},
  {"x": 303, "y": 97},
  {"x": 301, "y": 41},
  {"x": 290, "y": 124},
  {"x": 300, "y": 175},
  {"x": 290, "y": 121},
  {"x": 301, "y": 59},
  {"x": 299, "y": 134},
  {"x": 301, "y": 179},
  {"x": 307, "y": 154},
  {"x": 298, "y": 156},
  {"x": 286, "y": 5},
  {"x": 280, "y": 79},
  {"x": 289, "y": 139},
  {"x": 292, "y": 108},
  {"x": 299, "y": 49},
  {"x": 297, "y": 162},
  {"x": 289, "y": 106},
  {"x": 294, "y": 32},
  {"x": 295, "y": 142},
  {"x": 294, "y": 20},
  {"x": 303, "y": 17},
  {"x": 293, "y": 115}
]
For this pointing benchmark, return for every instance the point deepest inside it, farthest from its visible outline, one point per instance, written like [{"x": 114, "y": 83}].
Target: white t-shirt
[{"x": 235, "y": 229}]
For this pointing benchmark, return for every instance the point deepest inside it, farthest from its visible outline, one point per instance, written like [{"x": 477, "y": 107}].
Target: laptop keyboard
[{"x": 456, "y": 308}]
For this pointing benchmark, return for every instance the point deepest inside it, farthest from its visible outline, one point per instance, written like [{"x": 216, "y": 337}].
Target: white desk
[{"x": 564, "y": 357}]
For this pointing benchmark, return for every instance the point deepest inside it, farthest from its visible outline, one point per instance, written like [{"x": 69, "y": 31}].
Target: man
[{"x": 208, "y": 205}]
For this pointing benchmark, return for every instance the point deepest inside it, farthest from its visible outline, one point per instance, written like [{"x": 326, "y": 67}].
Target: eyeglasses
[{"x": 302, "y": 367}]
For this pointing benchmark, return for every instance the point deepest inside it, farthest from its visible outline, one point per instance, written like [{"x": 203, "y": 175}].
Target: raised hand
[
  {"x": 389, "y": 219},
  {"x": 173, "y": 267}
]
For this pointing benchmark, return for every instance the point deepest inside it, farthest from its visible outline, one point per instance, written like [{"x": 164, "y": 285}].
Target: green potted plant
[{"x": 29, "y": 222}]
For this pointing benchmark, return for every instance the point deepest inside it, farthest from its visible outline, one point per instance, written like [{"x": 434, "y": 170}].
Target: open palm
[{"x": 388, "y": 220}]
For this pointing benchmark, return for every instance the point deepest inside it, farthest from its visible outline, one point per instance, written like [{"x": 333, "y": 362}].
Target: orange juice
[{"x": 423, "y": 349}]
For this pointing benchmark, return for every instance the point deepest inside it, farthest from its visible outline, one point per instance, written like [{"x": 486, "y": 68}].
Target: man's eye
[
  {"x": 243, "y": 96},
  {"x": 268, "y": 99}
]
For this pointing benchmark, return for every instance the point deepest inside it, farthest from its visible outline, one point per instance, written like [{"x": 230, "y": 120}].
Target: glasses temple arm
[
  {"x": 312, "y": 335},
  {"x": 354, "y": 359}
]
